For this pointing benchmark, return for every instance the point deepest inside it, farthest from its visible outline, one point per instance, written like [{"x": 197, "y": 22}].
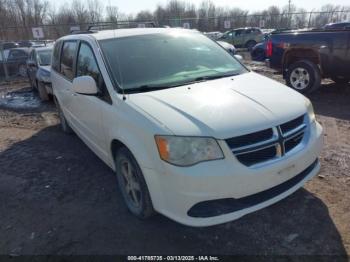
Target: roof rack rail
[
  {"x": 76, "y": 32},
  {"x": 117, "y": 25}
]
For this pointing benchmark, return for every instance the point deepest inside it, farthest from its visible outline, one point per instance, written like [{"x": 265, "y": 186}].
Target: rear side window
[
  {"x": 239, "y": 32},
  {"x": 67, "y": 59},
  {"x": 56, "y": 57},
  {"x": 18, "y": 54}
]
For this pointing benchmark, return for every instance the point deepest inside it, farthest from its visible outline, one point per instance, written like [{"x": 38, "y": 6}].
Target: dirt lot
[{"x": 57, "y": 197}]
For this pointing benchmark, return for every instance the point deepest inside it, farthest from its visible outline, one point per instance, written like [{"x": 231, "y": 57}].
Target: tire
[
  {"x": 340, "y": 80},
  {"x": 303, "y": 76},
  {"x": 258, "y": 55},
  {"x": 64, "y": 124},
  {"x": 250, "y": 44},
  {"x": 22, "y": 70},
  {"x": 132, "y": 185},
  {"x": 42, "y": 92}
]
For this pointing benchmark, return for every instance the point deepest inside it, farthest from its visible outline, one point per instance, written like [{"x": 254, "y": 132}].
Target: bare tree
[
  {"x": 95, "y": 10},
  {"x": 112, "y": 13}
]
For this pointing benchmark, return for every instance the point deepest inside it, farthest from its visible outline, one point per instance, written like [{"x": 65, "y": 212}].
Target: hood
[{"x": 223, "y": 108}]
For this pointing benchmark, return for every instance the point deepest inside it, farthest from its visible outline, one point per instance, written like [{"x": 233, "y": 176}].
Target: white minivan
[{"x": 190, "y": 132}]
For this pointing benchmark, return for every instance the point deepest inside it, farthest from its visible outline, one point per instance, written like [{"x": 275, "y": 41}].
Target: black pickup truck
[{"x": 305, "y": 57}]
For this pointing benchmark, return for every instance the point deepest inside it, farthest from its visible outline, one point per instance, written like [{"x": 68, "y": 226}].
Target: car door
[
  {"x": 335, "y": 54},
  {"x": 87, "y": 109},
  {"x": 238, "y": 37},
  {"x": 62, "y": 76},
  {"x": 32, "y": 66},
  {"x": 12, "y": 61}
]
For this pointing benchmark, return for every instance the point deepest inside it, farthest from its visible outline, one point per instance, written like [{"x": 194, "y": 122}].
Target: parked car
[
  {"x": 31, "y": 43},
  {"x": 258, "y": 52},
  {"x": 213, "y": 35},
  {"x": 229, "y": 48},
  {"x": 243, "y": 37},
  {"x": 341, "y": 25},
  {"x": 5, "y": 47},
  {"x": 38, "y": 70},
  {"x": 190, "y": 132},
  {"x": 305, "y": 57},
  {"x": 16, "y": 61}
]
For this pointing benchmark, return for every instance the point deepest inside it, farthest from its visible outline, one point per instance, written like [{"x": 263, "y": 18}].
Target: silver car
[{"x": 39, "y": 70}]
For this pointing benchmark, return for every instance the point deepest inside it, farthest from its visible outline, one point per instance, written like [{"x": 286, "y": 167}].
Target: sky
[{"x": 133, "y": 6}]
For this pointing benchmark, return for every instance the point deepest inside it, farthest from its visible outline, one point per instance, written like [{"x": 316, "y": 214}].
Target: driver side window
[{"x": 87, "y": 66}]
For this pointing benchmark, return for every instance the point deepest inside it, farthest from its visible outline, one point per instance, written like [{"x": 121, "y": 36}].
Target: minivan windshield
[{"x": 163, "y": 60}]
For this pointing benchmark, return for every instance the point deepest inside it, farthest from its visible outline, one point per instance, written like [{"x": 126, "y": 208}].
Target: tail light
[{"x": 269, "y": 48}]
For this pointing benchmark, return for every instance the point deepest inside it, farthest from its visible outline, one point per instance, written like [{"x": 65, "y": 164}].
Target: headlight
[
  {"x": 310, "y": 111},
  {"x": 187, "y": 151}
]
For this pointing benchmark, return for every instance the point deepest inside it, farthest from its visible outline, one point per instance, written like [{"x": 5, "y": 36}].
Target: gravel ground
[{"x": 57, "y": 197}]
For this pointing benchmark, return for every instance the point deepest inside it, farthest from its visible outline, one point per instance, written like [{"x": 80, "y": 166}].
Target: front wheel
[
  {"x": 258, "y": 55},
  {"x": 42, "y": 92},
  {"x": 133, "y": 185},
  {"x": 304, "y": 76},
  {"x": 249, "y": 45}
]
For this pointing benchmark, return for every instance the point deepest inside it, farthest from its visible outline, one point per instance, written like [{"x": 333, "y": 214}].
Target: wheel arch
[
  {"x": 295, "y": 55},
  {"x": 149, "y": 174},
  {"x": 137, "y": 150}
]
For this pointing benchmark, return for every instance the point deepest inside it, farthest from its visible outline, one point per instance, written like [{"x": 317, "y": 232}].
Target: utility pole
[{"x": 289, "y": 15}]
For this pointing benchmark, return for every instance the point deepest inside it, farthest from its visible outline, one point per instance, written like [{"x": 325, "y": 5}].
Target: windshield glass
[
  {"x": 44, "y": 57},
  {"x": 166, "y": 59}
]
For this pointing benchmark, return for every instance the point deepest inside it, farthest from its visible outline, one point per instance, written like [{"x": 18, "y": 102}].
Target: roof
[
  {"x": 119, "y": 33},
  {"x": 43, "y": 48}
]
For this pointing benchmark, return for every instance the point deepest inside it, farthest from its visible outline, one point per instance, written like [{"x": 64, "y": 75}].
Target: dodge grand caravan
[{"x": 190, "y": 132}]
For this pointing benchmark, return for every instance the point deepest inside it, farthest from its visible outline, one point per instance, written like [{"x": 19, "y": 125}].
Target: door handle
[{"x": 74, "y": 94}]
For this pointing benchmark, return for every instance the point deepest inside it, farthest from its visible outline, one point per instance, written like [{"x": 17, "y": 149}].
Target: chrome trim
[
  {"x": 294, "y": 135},
  {"x": 299, "y": 128},
  {"x": 255, "y": 149},
  {"x": 262, "y": 143},
  {"x": 278, "y": 140}
]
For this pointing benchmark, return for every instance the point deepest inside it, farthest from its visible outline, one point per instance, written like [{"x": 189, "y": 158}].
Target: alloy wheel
[
  {"x": 131, "y": 184},
  {"x": 300, "y": 78}
]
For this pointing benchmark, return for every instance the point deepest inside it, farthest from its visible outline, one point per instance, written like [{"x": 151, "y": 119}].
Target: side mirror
[
  {"x": 85, "y": 85},
  {"x": 239, "y": 57}
]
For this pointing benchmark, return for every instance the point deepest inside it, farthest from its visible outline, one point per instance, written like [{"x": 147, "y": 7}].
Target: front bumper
[{"x": 177, "y": 191}]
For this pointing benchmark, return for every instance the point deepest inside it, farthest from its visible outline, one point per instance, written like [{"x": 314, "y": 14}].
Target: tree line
[{"x": 17, "y": 17}]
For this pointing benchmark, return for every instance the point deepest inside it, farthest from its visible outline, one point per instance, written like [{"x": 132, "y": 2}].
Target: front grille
[
  {"x": 293, "y": 142},
  {"x": 268, "y": 144},
  {"x": 260, "y": 155},
  {"x": 293, "y": 124},
  {"x": 250, "y": 139}
]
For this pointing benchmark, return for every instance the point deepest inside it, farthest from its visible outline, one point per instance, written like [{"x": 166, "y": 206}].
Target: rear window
[{"x": 67, "y": 59}]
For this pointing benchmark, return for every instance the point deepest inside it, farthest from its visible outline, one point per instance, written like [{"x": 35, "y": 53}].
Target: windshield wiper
[
  {"x": 145, "y": 88},
  {"x": 212, "y": 77},
  {"x": 149, "y": 88}
]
